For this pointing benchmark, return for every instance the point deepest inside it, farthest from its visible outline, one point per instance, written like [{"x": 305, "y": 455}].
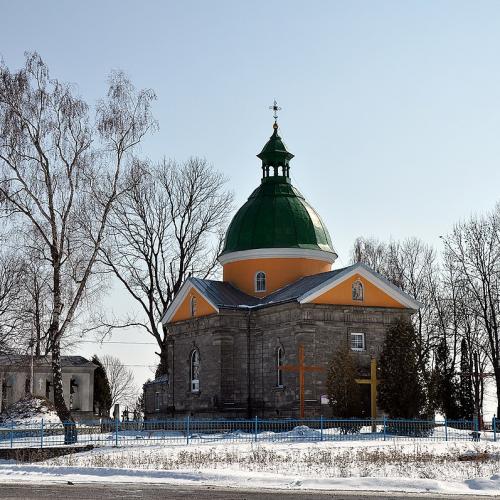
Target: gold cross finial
[{"x": 275, "y": 109}]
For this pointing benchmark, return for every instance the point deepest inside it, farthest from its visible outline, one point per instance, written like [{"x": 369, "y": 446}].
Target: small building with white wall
[{"x": 77, "y": 376}]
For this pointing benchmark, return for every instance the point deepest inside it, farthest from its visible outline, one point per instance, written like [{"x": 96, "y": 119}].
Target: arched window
[
  {"x": 195, "y": 370},
  {"x": 279, "y": 362},
  {"x": 260, "y": 282},
  {"x": 358, "y": 292},
  {"x": 193, "y": 307}
]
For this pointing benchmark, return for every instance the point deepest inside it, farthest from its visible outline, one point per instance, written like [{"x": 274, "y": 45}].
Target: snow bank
[
  {"x": 238, "y": 479},
  {"x": 454, "y": 468},
  {"x": 460, "y": 467},
  {"x": 29, "y": 411}
]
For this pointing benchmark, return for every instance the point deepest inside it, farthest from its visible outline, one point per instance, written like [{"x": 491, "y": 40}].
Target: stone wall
[{"x": 238, "y": 358}]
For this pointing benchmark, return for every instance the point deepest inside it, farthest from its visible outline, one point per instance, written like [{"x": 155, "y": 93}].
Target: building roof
[
  {"x": 162, "y": 379},
  {"x": 25, "y": 359},
  {"x": 274, "y": 153},
  {"x": 276, "y": 215},
  {"x": 300, "y": 287},
  {"x": 223, "y": 295}
]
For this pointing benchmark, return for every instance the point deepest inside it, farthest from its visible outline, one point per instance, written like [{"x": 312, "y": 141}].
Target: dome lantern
[{"x": 274, "y": 154}]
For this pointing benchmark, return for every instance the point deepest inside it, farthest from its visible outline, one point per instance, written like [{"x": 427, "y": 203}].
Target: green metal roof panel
[
  {"x": 276, "y": 215},
  {"x": 275, "y": 152}
]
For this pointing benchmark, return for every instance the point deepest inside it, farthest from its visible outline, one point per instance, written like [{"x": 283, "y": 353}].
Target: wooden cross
[
  {"x": 373, "y": 381},
  {"x": 301, "y": 368}
]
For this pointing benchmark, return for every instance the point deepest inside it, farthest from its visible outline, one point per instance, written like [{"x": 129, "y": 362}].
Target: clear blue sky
[{"x": 390, "y": 107}]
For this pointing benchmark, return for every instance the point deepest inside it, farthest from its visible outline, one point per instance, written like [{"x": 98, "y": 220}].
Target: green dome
[{"x": 277, "y": 216}]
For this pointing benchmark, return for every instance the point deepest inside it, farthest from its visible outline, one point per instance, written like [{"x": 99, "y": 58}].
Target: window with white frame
[
  {"x": 279, "y": 362},
  {"x": 357, "y": 341},
  {"x": 157, "y": 401},
  {"x": 193, "y": 307},
  {"x": 260, "y": 281},
  {"x": 195, "y": 370}
]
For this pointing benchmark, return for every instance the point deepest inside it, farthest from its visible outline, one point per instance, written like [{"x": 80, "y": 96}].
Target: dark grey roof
[
  {"x": 300, "y": 287},
  {"x": 75, "y": 361},
  {"x": 159, "y": 380},
  {"x": 223, "y": 294},
  {"x": 24, "y": 359}
]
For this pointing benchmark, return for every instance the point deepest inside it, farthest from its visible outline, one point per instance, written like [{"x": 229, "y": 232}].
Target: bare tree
[
  {"x": 169, "y": 225},
  {"x": 121, "y": 381},
  {"x": 371, "y": 252},
  {"x": 411, "y": 265},
  {"x": 473, "y": 248},
  {"x": 10, "y": 292},
  {"x": 60, "y": 174}
]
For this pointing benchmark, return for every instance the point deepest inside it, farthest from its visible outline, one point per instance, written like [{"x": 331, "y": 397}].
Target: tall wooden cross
[
  {"x": 301, "y": 368},
  {"x": 373, "y": 381}
]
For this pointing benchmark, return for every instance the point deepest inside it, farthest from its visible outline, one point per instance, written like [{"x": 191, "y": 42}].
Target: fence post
[
  {"x": 494, "y": 425},
  {"x": 476, "y": 436},
  {"x": 385, "y": 418},
  {"x": 187, "y": 429},
  {"x": 445, "y": 428},
  {"x": 41, "y": 433},
  {"x": 11, "y": 434},
  {"x": 116, "y": 430},
  {"x": 321, "y": 419},
  {"x": 255, "y": 428}
]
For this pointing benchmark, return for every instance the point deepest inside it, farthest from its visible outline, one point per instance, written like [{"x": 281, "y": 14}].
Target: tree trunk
[
  {"x": 70, "y": 434},
  {"x": 162, "y": 368}
]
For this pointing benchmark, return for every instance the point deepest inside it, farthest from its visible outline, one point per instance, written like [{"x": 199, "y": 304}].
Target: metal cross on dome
[{"x": 275, "y": 109}]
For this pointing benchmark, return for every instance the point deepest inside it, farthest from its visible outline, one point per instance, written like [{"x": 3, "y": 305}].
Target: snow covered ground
[
  {"x": 29, "y": 411},
  {"x": 419, "y": 466}
]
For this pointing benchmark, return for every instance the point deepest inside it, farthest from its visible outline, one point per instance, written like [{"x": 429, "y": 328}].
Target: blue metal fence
[{"x": 42, "y": 434}]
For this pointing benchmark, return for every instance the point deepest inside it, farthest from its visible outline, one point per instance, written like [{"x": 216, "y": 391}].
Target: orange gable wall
[
  {"x": 342, "y": 294},
  {"x": 203, "y": 308},
  {"x": 279, "y": 272}
]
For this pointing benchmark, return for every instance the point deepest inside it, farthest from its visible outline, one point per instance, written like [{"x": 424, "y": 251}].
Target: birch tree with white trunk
[{"x": 61, "y": 171}]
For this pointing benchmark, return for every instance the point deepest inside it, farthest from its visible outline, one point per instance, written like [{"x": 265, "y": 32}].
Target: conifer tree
[
  {"x": 401, "y": 390},
  {"x": 466, "y": 396},
  {"x": 444, "y": 387},
  {"x": 343, "y": 391},
  {"x": 102, "y": 389}
]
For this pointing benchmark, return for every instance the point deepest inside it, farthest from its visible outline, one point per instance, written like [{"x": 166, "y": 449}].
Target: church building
[{"x": 259, "y": 342}]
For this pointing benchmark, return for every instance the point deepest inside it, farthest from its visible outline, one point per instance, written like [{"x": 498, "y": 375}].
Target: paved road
[{"x": 159, "y": 492}]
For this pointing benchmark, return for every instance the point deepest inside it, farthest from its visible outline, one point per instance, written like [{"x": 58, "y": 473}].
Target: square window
[{"x": 357, "y": 341}]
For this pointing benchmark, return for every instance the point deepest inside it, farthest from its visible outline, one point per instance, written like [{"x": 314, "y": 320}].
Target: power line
[
  {"x": 115, "y": 342},
  {"x": 142, "y": 366}
]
